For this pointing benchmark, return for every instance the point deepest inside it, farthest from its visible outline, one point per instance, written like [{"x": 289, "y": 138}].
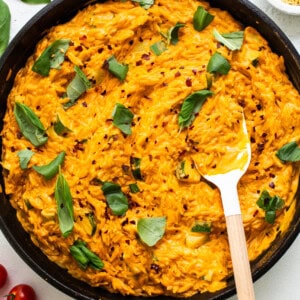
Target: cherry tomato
[
  {"x": 21, "y": 292},
  {"x": 3, "y": 275}
]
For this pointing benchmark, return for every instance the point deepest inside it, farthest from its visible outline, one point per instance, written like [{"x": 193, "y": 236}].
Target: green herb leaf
[
  {"x": 30, "y": 125},
  {"x": 269, "y": 205},
  {"x": 77, "y": 87},
  {"x": 4, "y": 26},
  {"x": 134, "y": 188},
  {"x": 218, "y": 64},
  {"x": 122, "y": 118},
  {"x": 135, "y": 165},
  {"x": 180, "y": 171},
  {"x": 115, "y": 198},
  {"x": 202, "y": 227},
  {"x": 145, "y": 3},
  {"x": 51, "y": 169},
  {"x": 151, "y": 230},
  {"x": 24, "y": 158},
  {"x": 202, "y": 18},
  {"x": 191, "y": 106},
  {"x": 158, "y": 48},
  {"x": 117, "y": 69},
  {"x": 172, "y": 35},
  {"x": 60, "y": 128},
  {"x": 233, "y": 40},
  {"x": 93, "y": 223},
  {"x": 290, "y": 152},
  {"x": 84, "y": 256},
  {"x": 36, "y": 1},
  {"x": 64, "y": 203},
  {"x": 52, "y": 57}
]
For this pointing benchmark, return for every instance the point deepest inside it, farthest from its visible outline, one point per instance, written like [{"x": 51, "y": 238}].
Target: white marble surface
[{"x": 281, "y": 282}]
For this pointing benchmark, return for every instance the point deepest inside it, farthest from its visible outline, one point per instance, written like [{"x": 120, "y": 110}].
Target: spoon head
[{"x": 235, "y": 159}]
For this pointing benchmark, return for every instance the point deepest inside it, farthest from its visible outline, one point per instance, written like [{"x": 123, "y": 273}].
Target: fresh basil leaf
[
  {"x": 270, "y": 216},
  {"x": 269, "y": 204},
  {"x": 172, "y": 35},
  {"x": 51, "y": 169},
  {"x": 64, "y": 203},
  {"x": 122, "y": 118},
  {"x": 52, "y": 57},
  {"x": 115, "y": 198},
  {"x": 135, "y": 165},
  {"x": 233, "y": 40},
  {"x": 145, "y": 3},
  {"x": 36, "y": 1},
  {"x": 151, "y": 230},
  {"x": 117, "y": 69},
  {"x": 60, "y": 128},
  {"x": 158, "y": 48},
  {"x": 218, "y": 64},
  {"x": 134, "y": 188},
  {"x": 30, "y": 125},
  {"x": 79, "y": 85},
  {"x": 191, "y": 106},
  {"x": 290, "y": 152},
  {"x": 202, "y": 227},
  {"x": 202, "y": 18},
  {"x": 24, "y": 158},
  {"x": 93, "y": 222},
  {"x": 79, "y": 256},
  {"x": 84, "y": 256},
  {"x": 5, "y": 17}
]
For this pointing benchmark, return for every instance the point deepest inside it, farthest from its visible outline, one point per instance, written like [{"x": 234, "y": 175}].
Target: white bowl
[{"x": 285, "y": 7}]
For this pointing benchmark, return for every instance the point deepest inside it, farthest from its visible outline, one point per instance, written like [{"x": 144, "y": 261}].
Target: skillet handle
[{"x": 239, "y": 256}]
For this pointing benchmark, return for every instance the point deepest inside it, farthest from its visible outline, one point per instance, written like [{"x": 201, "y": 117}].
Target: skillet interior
[{"x": 13, "y": 60}]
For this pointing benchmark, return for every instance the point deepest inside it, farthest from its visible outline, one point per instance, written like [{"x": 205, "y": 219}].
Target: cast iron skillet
[{"x": 15, "y": 57}]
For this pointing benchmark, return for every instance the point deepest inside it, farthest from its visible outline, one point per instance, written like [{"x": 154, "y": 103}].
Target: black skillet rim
[{"x": 11, "y": 62}]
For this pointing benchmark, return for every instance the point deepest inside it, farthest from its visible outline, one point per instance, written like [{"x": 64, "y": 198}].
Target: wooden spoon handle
[{"x": 239, "y": 256}]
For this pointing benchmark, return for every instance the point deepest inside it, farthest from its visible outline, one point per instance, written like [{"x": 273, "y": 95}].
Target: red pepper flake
[
  {"x": 139, "y": 63},
  {"x": 84, "y": 104},
  {"x": 259, "y": 107},
  {"x": 242, "y": 103},
  {"x": 146, "y": 56},
  {"x": 100, "y": 50},
  {"x": 177, "y": 74},
  {"x": 260, "y": 147},
  {"x": 194, "y": 71},
  {"x": 272, "y": 185},
  {"x": 155, "y": 267},
  {"x": 255, "y": 213},
  {"x": 79, "y": 48},
  {"x": 78, "y": 146},
  {"x": 83, "y": 37},
  {"x": 188, "y": 82}
]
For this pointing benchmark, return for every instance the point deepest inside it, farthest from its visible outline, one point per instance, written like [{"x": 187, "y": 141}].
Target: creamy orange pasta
[{"x": 123, "y": 204}]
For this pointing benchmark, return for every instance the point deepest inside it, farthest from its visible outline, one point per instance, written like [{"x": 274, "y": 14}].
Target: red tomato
[
  {"x": 21, "y": 292},
  {"x": 3, "y": 275}
]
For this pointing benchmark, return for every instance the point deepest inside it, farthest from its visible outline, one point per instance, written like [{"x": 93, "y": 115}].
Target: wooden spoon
[{"x": 226, "y": 175}]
